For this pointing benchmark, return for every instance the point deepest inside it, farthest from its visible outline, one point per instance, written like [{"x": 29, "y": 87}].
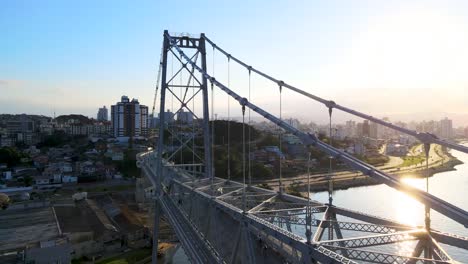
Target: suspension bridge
[{"x": 226, "y": 220}]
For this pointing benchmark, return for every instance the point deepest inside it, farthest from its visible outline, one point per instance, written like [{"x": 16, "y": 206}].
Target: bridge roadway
[{"x": 207, "y": 217}]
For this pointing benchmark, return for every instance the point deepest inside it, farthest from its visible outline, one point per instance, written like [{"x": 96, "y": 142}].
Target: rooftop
[{"x": 19, "y": 228}]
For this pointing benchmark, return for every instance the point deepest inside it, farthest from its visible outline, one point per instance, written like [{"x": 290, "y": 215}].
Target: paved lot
[{"x": 21, "y": 227}]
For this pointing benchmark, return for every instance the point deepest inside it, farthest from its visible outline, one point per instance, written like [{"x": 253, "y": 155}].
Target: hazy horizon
[{"x": 402, "y": 59}]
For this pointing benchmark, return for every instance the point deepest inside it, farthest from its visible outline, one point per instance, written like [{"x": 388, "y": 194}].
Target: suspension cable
[
  {"x": 153, "y": 126},
  {"x": 158, "y": 79},
  {"x": 423, "y": 137},
  {"x": 249, "y": 138},
  {"x": 229, "y": 124}
]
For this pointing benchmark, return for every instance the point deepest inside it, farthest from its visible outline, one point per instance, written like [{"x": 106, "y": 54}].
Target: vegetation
[
  {"x": 265, "y": 186},
  {"x": 10, "y": 156},
  {"x": 58, "y": 138},
  {"x": 294, "y": 189},
  {"x": 412, "y": 160},
  {"x": 268, "y": 140},
  {"x": 235, "y": 128},
  {"x": 66, "y": 118},
  {"x": 127, "y": 166},
  {"x": 376, "y": 159}
]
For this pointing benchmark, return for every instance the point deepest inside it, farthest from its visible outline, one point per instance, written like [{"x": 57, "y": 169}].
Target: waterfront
[{"x": 384, "y": 201}]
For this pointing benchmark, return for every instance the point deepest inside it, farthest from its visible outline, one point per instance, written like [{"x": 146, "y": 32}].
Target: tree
[
  {"x": 268, "y": 140},
  {"x": 10, "y": 156},
  {"x": 259, "y": 171},
  {"x": 58, "y": 138}
]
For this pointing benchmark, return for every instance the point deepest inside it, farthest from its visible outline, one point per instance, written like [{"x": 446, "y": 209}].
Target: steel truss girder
[
  {"x": 256, "y": 225},
  {"x": 196, "y": 247},
  {"x": 379, "y": 257},
  {"x": 261, "y": 227},
  {"x": 363, "y": 227},
  {"x": 350, "y": 226},
  {"x": 376, "y": 240}
]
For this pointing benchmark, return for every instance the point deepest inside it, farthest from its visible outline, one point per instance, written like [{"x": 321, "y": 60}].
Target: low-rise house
[
  {"x": 32, "y": 151},
  {"x": 87, "y": 167},
  {"x": 43, "y": 180},
  {"x": 7, "y": 175},
  {"x": 117, "y": 156},
  {"x": 62, "y": 166},
  {"x": 53, "y": 173},
  {"x": 396, "y": 149},
  {"x": 49, "y": 254},
  {"x": 69, "y": 179},
  {"x": 40, "y": 161}
]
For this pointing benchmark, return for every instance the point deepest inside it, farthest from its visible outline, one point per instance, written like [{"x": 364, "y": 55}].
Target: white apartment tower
[
  {"x": 446, "y": 129},
  {"x": 129, "y": 119},
  {"x": 103, "y": 114}
]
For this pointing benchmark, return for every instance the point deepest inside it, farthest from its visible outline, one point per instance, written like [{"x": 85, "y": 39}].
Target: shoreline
[{"x": 362, "y": 180}]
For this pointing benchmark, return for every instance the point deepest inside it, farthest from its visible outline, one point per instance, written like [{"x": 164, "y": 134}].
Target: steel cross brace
[
  {"x": 367, "y": 241},
  {"x": 379, "y": 257}
]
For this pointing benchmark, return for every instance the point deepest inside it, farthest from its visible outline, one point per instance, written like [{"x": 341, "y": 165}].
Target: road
[{"x": 393, "y": 166}]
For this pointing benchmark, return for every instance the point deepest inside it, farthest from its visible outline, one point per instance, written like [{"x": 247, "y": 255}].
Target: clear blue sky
[{"x": 377, "y": 56}]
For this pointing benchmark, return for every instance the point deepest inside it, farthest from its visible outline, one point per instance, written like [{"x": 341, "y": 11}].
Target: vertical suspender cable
[
  {"x": 212, "y": 138},
  {"x": 229, "y": 124},
  {"x": 243, "y": 160},
  {"x": 427, "y": 209},
  {"x": 212, "y": 128},
  {"x": 427, "y": 147},
  {"x": 170, "y": 121},
  {"x": 330, "y": 181},
  {"x": 193, "y": 125},
  {"x": 280, "y": 141},
  {"x": 308, "y": 222},
  {"x": 249, "y": 137},
  {"x": 182, "y": 109}
]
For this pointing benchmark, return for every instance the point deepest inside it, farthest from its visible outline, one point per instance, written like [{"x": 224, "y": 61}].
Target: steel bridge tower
[{"x": 196, "y": 83}]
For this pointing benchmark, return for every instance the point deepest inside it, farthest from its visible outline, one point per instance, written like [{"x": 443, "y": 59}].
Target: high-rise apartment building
[
  {"x": 103, "y": 114},
  {"x": 129, "y": 119},
  {"x": 366, "y": 128},
  {"x": 446, "y": 130},
  {"x": 374, "y": 130},
  {"x": 350, "y": 128}
]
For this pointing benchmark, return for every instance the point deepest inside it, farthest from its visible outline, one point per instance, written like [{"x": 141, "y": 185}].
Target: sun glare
[{"x": 412, "y": 49}]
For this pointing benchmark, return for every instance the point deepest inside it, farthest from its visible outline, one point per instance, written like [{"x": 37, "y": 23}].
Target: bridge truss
[{"x": 223, "y": 221}]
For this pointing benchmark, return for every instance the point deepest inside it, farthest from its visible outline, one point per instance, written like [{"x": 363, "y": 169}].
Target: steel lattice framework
[{"x": 224, "y": 221}]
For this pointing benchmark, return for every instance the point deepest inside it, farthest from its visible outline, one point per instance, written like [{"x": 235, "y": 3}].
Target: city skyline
[{"x": 395, "y": 54}]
